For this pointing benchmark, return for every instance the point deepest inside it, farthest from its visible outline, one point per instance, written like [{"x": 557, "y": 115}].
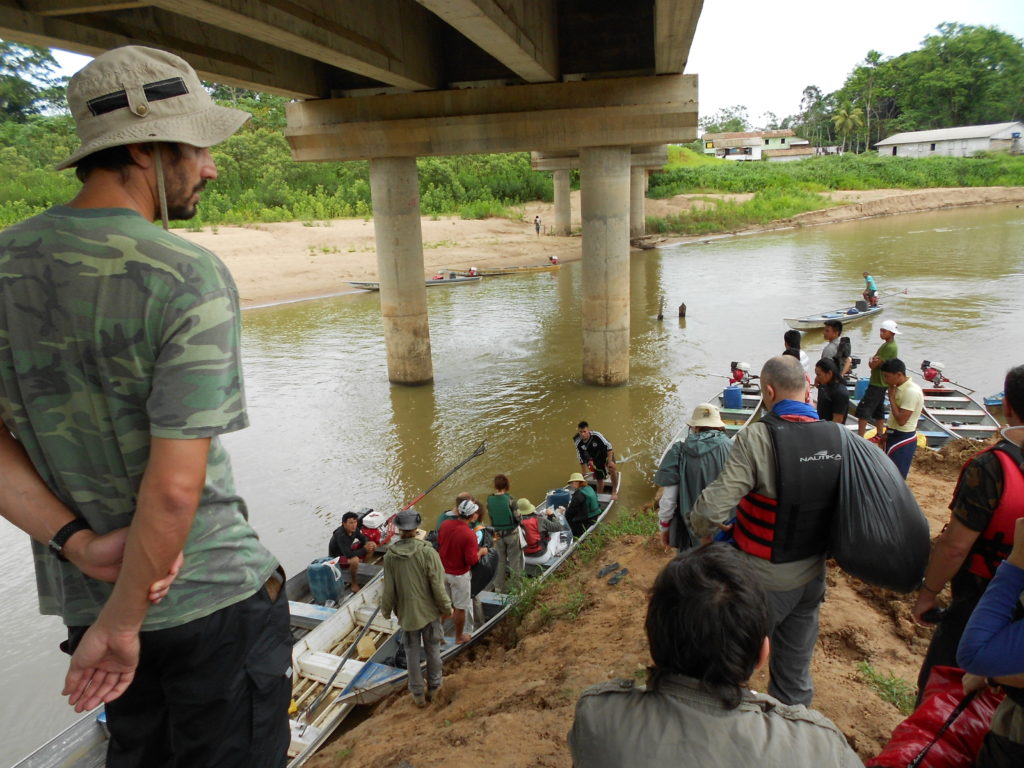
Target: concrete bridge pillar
[
  {"x": 637, "y": 196},
  {"x": 394, "y": 186},
  {"x": 563, "y": 205},
  {"x": 605, "y": 192}
]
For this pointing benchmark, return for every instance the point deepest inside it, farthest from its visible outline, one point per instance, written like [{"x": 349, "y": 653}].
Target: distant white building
[
  {"x": 954, "y": 142},
  {"x": 753, "y": 145}
]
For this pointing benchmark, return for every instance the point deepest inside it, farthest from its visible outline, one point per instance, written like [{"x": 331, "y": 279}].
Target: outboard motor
[
  {"x": 932, "y": 372},
  {"x": 378, "y": 527},
  {"x": 740, "y": 373}
]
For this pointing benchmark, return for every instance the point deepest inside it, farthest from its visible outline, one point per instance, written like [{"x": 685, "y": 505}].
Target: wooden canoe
[
  {"x": 501, "y": 271},
  {"x": 846, "y": 315}
]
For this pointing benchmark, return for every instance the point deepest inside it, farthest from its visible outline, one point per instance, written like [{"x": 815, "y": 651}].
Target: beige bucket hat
[
  {"x": 706, "y": 415},
  {"x": 524, "y": 507},
  {"x": 577, "y": 477},
  {"x": 133, "y": 95}
]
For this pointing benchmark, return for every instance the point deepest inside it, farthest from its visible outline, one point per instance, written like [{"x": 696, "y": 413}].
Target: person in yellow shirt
[{"x": 905, "y": 402}]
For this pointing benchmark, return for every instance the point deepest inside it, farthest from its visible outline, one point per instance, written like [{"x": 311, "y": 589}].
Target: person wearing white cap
[
  {"x": 688, "y": 466},
  {"x": 459, "y": 552},
  {"x": 872, "y": 406},
  {"x": 119, "y": 369}
]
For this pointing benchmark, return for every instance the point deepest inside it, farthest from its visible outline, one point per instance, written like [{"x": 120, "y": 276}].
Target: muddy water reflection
[{"x": 330, "y": 434}]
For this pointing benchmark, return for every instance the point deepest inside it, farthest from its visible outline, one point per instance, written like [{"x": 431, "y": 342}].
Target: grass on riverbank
[
  {"x": 728, "y": 216},
  {"x": 831, "y": 172}
]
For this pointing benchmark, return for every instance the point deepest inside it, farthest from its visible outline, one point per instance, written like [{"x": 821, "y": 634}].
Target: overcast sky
[{"x": 763, "y": 55}]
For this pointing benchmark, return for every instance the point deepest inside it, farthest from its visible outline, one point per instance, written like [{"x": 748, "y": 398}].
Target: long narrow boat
[
  {"x": 929, "y": 430},
  {"x": 83, "y": 744},
  {"x": 501, "y": 271},
  {"x": 447, "y": 280},
  {"x": 959, "y": 414},
  {"x": 384, "y": 680},
  {"x": 847, "y": 315}
]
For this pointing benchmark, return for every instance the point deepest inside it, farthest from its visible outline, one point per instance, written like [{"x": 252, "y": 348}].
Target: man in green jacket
[{"x": 414, "y": 591}]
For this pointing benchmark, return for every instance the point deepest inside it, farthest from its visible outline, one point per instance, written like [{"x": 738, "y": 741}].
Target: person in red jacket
[{"x": 459, "y": 553}]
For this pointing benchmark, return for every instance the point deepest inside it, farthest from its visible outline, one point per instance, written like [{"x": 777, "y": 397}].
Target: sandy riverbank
[
  {"x": 509, "y": 702},
  {"x": 288, "y": 261}
]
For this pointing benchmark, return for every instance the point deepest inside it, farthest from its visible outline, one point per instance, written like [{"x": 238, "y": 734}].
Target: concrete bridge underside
[{"x": 580, "y": 82}]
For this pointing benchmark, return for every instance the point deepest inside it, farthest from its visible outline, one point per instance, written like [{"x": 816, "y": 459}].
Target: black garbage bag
[
  {"x": 878, "y": 532},
  {"x": 483, "y": 572}
]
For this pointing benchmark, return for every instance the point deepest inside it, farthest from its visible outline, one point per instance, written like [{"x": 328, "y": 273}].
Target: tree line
[{"x": 961, "y": 75}]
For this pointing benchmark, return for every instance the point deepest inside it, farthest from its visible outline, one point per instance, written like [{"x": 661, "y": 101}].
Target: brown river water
[{"x": 330, "y": 434}]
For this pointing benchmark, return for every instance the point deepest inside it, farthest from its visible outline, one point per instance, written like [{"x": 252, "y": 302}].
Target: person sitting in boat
[
  {"x": 833, "y": 394},
  {"x": 351, "y": 545},
  {"x": 690, "y": 465},
  {"x": 583, "y": 509},
  {"x": 697, "y": 707},
  {"x": 536, "y": 529},
  {"x": 870, "y": 290}
]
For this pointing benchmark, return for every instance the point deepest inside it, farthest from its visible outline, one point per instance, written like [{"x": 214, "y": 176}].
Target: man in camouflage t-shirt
[{"x": 119, "y": 369}]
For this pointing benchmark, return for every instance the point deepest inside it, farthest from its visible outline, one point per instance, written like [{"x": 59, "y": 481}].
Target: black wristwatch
[{"x": 60, "y": 538}]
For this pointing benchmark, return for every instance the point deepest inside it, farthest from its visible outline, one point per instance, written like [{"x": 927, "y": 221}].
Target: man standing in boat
[
  {"x": 905, "y": 403},
  {"x": 459, "y": 551},
  {"x": 870, "y": 290},
  {"x": 414, "y": 591},
  {"x": 596, "y": 455},
  {"x": 119, "y": 369},
  {"x": 987, "y": 501},
  {"x": 872, "y": 404}
]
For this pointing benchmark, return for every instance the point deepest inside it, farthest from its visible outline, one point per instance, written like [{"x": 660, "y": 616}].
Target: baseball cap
[
  {"x": 468, "y": 508},
  {"x": 134, "y": 95},
  {"x": 408, "y": 520},
  {"x": 890, "y": 325}
]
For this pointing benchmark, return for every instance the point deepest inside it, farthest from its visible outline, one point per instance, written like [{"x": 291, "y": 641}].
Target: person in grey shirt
[{"x": 707, "y": 626}]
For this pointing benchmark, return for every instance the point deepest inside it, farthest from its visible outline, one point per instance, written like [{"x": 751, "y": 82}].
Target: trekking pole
[
  {"x": 479, "y": 450},
  {"x": 957, "y": 711}
]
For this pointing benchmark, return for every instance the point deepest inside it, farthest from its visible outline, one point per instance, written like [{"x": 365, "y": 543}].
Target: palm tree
[{"x": 848, "y": 120}]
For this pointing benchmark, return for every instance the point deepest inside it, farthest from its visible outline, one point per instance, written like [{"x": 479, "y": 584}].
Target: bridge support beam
[
  {"x": 563, "y": 204},
  {"x": 637, "y": 195},
  {"x": 394, "y": 187},
  {"x": 605, "y": 190}
]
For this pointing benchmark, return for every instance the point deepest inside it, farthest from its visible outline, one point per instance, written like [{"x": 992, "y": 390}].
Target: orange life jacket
[{"x": 531, "y": 527}]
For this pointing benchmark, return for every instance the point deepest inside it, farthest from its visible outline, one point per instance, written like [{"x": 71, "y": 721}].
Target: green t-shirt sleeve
[{"x": 197, "y": 379}]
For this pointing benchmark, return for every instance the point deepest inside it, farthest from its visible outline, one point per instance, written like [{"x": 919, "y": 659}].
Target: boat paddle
[
  {"x": 479, "y": 450},
  {"x": 310, "y": 713}
]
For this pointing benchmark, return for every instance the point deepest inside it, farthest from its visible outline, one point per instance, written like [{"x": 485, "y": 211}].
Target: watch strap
[{"x": 61, "y": 537}]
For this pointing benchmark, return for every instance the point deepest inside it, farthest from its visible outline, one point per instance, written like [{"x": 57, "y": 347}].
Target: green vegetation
[
  {"x": 849, "y": 171},
  {"x": 890, "y": 688},
  {"x": 728, "y": 216}
]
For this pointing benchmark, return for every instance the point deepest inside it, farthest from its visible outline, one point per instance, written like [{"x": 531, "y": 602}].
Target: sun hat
[
  {"x": 890, "y": 325},
  {"x": 706, "y": 415},
  {"x": 576, "y": 477},
  {"x": 524, "y": 507},
  {"x": 468, "y": 508},
  {"x": 134, "y": 95},
  {"x": 408, "y": 520}
]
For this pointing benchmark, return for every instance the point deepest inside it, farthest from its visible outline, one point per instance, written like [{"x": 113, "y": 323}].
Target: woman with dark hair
[
  {"x": 833, "y": 395},
  {"x": 707, "y": 627}
]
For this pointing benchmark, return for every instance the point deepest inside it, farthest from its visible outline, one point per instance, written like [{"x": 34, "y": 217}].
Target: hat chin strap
[{"x": 161, "y": 187}]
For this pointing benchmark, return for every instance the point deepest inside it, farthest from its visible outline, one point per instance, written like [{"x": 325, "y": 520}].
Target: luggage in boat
[
  {"x": 325, "y": 579},
  {"x": 878, "y": 532},
  {"x": 559, "y": 498}
]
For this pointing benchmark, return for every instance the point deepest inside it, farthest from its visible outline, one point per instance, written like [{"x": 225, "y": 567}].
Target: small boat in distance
[
  {"x": 846, "y": 315},
  {"x": 500, "y": 271},
  {"x": 448, "y": 278}
]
